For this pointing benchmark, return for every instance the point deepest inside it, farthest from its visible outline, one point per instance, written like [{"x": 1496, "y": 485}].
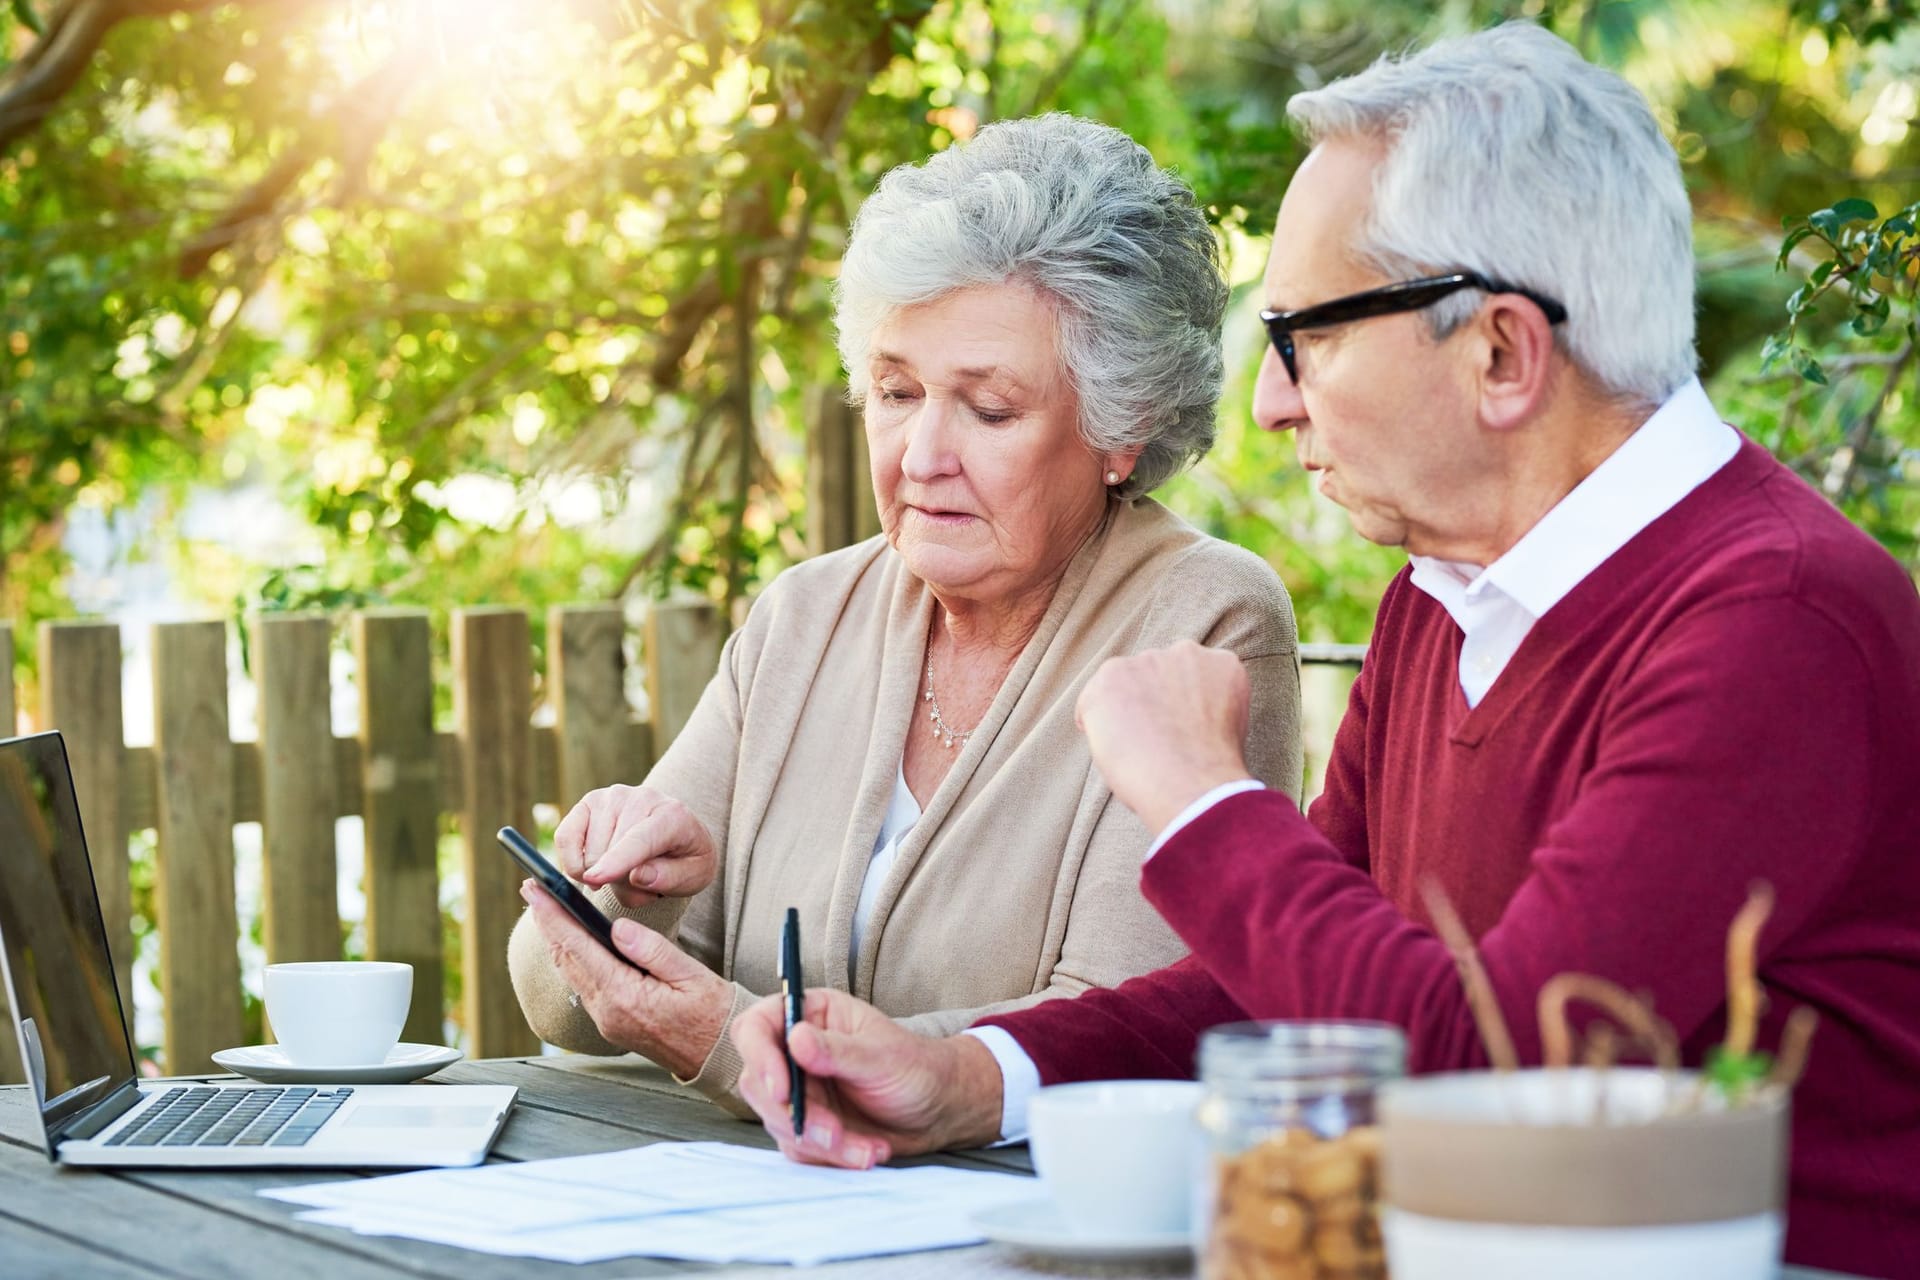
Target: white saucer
[
  {"x": 269, "y": 1064},
  {"x": 1036, "y": 1226}
]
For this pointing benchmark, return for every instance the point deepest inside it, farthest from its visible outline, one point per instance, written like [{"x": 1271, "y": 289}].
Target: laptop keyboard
[{"x": 194, "y": 1116}]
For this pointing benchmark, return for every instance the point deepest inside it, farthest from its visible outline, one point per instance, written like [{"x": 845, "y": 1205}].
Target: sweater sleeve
[
  {"x": 1145, "y": 1029},
  {"x": 697, "y": 769},
  {"x": 1690, "y": 799}
]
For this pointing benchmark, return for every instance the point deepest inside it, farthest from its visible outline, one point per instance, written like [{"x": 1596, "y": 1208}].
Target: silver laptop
[{"x": 79, "y": 1057}]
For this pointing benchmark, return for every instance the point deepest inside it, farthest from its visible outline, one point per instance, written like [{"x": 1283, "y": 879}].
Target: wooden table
[
  {"x": 205, "y": 1224},
  {"x": 66, "y": 1224}
]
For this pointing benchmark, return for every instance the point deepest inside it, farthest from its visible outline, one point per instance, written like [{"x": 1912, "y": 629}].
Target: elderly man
[{"x": 1634, "y": 666}]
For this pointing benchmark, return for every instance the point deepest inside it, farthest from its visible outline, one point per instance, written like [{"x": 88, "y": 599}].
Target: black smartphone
[{"x": 564, "y": 891}]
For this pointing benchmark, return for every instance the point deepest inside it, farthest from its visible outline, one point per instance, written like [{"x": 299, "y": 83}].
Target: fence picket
[
  {"x": 80, "y": 666},
  {"x": 594, "y": 740},
  {"x": 683, "y": 646},
  {"x": 297, "y": 793},
  {"x": 199, "y": 958},
  {"x": 400, "y": 800},
  {"x": 492, "y": 712}
]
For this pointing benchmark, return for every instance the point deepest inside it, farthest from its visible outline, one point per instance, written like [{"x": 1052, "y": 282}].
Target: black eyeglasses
[{"x": 1408, "y": 295}]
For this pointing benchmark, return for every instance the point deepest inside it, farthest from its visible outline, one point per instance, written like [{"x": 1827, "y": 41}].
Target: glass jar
[{"x": 1291, "y": 1149}]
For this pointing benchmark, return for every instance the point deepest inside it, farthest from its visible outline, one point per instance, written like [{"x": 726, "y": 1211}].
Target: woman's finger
[
  {"x": 638, "y": 844},
  {"x": 569, "y": 839},
  {"x": 655, "y": 953},
  {"x": 672, "y": 876}
]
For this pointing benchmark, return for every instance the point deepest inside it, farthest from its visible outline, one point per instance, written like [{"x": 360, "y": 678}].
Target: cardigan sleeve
[{"x": 697, "y": 769}]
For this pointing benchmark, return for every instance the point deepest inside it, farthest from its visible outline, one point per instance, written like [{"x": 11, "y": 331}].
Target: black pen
[{"x": 795, "y": 992}]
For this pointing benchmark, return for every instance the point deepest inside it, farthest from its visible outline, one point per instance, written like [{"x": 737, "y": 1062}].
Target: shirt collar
[{"x": 1669, "y": 456}]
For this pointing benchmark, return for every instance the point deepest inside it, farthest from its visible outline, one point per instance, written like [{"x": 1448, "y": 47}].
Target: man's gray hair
[
  {"x": 1512, "y": 156},
  {"x": 1080, "y": 212}
]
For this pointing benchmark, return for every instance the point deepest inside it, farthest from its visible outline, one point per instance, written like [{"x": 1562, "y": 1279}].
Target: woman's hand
[
  {"x": 874, "y": 1089},
  {"x": 645, "y": 844},
  {"x": 673, "y": 1013}
]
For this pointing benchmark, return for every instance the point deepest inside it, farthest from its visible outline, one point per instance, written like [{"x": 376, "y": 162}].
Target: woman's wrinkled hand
[
  {"x": 671, "y": 1008},
  {"x": 644, "y": 844}
]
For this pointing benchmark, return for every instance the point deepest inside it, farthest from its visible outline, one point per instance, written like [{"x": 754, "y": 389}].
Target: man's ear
[{"x": 1519, "y": 358}]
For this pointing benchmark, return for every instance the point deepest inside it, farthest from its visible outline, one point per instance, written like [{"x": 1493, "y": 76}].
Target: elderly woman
[{"x": 1031, "y": 321}]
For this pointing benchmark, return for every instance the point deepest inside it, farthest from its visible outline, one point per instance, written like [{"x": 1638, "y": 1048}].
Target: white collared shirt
[{"x": 1670, "y": 455}]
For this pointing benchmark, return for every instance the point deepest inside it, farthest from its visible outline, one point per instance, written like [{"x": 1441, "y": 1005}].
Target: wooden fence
[{"x": 398, "y": 773}]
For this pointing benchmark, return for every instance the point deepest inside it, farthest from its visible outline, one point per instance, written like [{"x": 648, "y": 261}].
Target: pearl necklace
[{"x": 947, "y": 734}]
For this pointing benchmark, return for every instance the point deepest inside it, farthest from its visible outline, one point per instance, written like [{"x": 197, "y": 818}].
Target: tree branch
[
  {"x": 52, "y": 66},
  {"x": 1861, "y": 435},
  {"x": 1089, "y": 32},
  {"x": 32, "y": 87},
  {"x": 732, "y": 555},
  {"x": 358, "y": 117},
  {"x": 692, "y": 480}
]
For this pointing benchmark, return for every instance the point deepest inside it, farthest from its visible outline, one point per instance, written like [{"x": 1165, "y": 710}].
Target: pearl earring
[{"x": 1113, "y": 477}]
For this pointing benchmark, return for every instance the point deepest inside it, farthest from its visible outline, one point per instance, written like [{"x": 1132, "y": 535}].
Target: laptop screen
[{"x": 59, "y": 971}]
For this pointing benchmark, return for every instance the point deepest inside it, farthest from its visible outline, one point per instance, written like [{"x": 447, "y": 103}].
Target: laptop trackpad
[{"x": 405, "y": 1116}]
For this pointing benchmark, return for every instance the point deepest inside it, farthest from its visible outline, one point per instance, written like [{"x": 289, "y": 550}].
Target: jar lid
[{"x": 1315, "y": 1057}]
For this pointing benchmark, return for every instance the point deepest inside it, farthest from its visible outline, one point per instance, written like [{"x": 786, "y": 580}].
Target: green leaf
[
  {"x": 1871, "y": 317},
  {"x": 1794, "y": 237},
  {"x": 1852, "y": 209},
  {"x": 24, "y": 14},
  {"x": 1808, "y": 367}
]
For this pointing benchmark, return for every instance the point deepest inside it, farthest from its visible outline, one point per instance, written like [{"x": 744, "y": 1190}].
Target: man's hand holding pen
[{"x": 874, "y": 1090}]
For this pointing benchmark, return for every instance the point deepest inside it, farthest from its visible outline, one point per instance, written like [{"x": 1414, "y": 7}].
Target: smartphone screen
[{"x": 564, "y": 891}]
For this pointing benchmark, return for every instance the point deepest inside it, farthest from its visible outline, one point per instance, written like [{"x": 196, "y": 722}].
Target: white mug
[
  {"x": 1117, "y": 1156},
  {"x": 338, "y": 1013}
]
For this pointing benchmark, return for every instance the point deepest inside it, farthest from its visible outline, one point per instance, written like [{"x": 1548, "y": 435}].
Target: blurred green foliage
[{"x": 516, "y": 303}]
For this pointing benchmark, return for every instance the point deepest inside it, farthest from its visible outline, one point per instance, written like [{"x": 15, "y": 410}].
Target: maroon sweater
[{"x": 1733, "y": 696}]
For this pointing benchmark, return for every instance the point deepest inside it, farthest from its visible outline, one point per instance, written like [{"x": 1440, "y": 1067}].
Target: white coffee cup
[
  {"x": 1117, "y": 1156},
  {"x": 338, "y": 1013}
]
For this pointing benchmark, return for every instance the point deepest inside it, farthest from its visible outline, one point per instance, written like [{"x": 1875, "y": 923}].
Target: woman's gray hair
[
  {"x": 1512, "y": 156},
  {"x": 1082, "y": 213}
]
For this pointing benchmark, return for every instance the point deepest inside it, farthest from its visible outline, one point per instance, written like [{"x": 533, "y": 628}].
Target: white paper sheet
[{"x": 701, "y": 1201}]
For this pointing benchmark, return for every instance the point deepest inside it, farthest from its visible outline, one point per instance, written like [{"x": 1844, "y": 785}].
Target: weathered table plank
[
  {"x": 213, "y": 1223},
  {"x": 34, "y": 1252},
  {"x": 140, "y": 1225}
]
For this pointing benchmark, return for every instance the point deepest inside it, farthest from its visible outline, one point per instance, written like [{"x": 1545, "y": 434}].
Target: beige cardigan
[{"x": 1020, "y": 881}]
